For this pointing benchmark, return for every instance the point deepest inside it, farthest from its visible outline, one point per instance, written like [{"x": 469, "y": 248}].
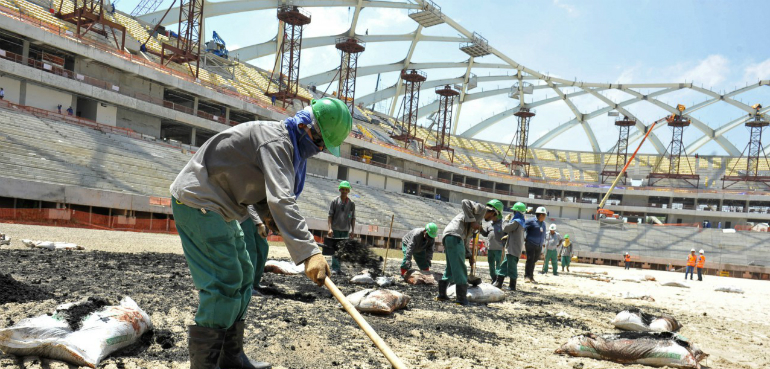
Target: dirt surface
[{"x": 299, "y": 325}]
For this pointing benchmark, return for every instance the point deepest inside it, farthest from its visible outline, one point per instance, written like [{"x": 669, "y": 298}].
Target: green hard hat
[
  {"x": 566, "y": 236},
  {"x": 497, "y": 205},
  {"x": 344, "y": 184},
  {"x": 431, "y": 229},
  {"x": 520, "y": 207},
  {"x": 334, "y": 121}
]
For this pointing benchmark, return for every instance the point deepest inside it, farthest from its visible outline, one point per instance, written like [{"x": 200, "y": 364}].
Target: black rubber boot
[
  {"x": 204, "y": 345},
  {"x": 442, "y": 286},
  {"x": 233, "y": 356},
  {"x": 461, "y": 290},
  {"x": 512, "y": 285},
  {"x": 499, "y": 281}
]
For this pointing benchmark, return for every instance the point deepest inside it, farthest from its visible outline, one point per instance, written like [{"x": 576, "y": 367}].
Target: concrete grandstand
[{"x": 136, "y": 122}]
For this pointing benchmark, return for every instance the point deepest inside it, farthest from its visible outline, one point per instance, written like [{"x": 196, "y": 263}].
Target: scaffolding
[
  {"x": 350, "y": 48},
  {"x": 413, "y": 80},
  {"x": 293, "y": 19},
  {"x": 676, "y": 152},
  {"x": 186, "y": 48},
  {"x": 519, "y": 164},
  {"x": 754, "y": 154},
  {"x": 446, "y": 101},
  {"x": 428, "y": 15},
  {"x": 87, "y": 14},
  {"x": 145, "y": 6},
  {"x": 477, "y": 47},
  {"x": 621, "y": 150}
]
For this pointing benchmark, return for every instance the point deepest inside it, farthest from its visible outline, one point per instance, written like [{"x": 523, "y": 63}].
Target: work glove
[
  {"x": 262, "y": 230},
  {"x": 317, "y": 269},
  {"x": 270, "y": 224},
  {"x": 504, "y": 238},
  {"x": 403, "y": 271},
  {"x": 508, "y": 217}
]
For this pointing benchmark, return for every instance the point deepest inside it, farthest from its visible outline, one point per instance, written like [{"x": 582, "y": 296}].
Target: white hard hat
[
  {"x": 701, "y": 251},
  {"x": 552, "y": 227},
  {"x": 541, "y": 210},
  {"x": 692, "y": 250},
  {"x": 626, "y": 253}
]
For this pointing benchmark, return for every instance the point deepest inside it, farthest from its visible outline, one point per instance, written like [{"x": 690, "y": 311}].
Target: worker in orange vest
[
  {"x": 628, "y": 261},
  {"x": 701, "y": 263},
  {"x": 690, "y": 264}
]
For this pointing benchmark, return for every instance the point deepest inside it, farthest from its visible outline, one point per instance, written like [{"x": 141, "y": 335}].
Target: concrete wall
[
  {"x": 106, "y": 114},
  {"x": 571, "y": 213},
  {"x": 376, "y": 181},
  {"x": 394, "y": 184},
  {"x": 317, "y": 167},
  {"x": 46, "y": 98},
  {"x": 356, "y": 176},
  {"x": 125, "y": 82},
  {"x": 11, "y": 87},
  {"x": 138, "y": 122}
]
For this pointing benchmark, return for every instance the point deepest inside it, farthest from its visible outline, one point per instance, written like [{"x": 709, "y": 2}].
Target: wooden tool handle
[
  {"x": 376, "y": 339},
  {"x": 387, "y": 244}
]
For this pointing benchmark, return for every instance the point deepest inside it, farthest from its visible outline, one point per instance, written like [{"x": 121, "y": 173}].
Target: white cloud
[
  {"x": 709, "y": 72},
  {"x": 758, "y": 71},
  {"x": 570, "y": 9}
]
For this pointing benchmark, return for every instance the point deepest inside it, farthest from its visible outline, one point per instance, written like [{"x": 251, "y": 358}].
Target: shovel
[{"x": 472, "y": 278}]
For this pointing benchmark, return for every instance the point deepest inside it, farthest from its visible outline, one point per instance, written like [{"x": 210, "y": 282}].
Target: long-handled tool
[
  {"x": 387, "y": 245},
  {"x": 376, "y": 339},
  {"x": 472, "y": 278}
]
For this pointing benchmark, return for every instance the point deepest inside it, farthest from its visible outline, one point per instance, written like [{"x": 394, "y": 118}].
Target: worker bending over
[
  {"x": 342, "y": 220},
  {"x": 255, "y": 163},
  {"x": 534, "y": 241},
  {"x": 419, "y": 243},
  {"x": 566, "y": 253},
  {"x": 701, "y": 263},
  {"x": 691, "y": 260},
  {"x": 553, "y": 241},
  {"x": 494, "y": 233},
  {"x": 513, "y": 227},
  {"x": 456, "y": 235}
]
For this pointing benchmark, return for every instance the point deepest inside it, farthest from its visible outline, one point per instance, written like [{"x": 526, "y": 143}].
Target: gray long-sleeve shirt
[
  {"x": 416, "y": 241},
  {"x": 249, "y": 164},
  {"x": 254, "y": 215},
  {"x": 494, "y": 232},
  {"x": 342, "y": 214},
  {"x": 515, "y": 242},
  {"x": 472, "y": 212},
  {"x": 552, "y": 241}
]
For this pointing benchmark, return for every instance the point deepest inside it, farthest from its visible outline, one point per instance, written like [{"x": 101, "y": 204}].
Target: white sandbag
[
  {"x": 649, "y": 277},
  {"x": 731, "y": 289},
  {"x": 654, "y": 349},
  {"x": 52, "y": 245},
  {"x": 635, "y": 296},
  {"x": 680, "y": 284},
  {"x": 378, "y": 301},
  {"x": 634, "y": 279},
  {"x": 482, "y": 294},
  {"x": 283, "y": 267},
  {"x": 362, "y": 279},
  {"x": 636, "y": 320},
  {"x": 101, "y": 333},
  {"x": 416, "y": 277},
  {"x": 385, "y": 281}
]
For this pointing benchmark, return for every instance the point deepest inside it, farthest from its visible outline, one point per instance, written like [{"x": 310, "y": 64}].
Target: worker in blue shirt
[{"x": 534, "y": 241}]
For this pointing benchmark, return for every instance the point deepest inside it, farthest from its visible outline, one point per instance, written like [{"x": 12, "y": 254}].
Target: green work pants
[
  {"x": 336, "y": 265},
  {"x": 565, "y": 261},
  {"x": 420, "y": 258},
  {"x": 494, "y": 258},
  {"x": 257, "y": 248},
  {"x": 552, "y": 256},
  {"x": 456, "y": 272},
  {"x": 219, "y": 263},
  {"x": 509, "y": 267}
]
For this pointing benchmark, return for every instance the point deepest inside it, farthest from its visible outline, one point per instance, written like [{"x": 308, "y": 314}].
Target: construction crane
[{"x": 217, "y": 46}]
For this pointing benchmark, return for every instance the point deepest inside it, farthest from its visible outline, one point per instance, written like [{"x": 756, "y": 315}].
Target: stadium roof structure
[{"x": 426, "y": 13}]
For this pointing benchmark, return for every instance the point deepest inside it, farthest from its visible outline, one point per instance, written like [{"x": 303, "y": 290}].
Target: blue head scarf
[
  {"x": 518, "y": 217},
  {"x": 304, "y": 147}
]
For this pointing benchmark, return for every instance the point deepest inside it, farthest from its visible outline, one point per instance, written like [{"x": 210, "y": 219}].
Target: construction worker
[
  {"x": 255, "y": 235},
  {"x": 513, "y": 228},
  {"x": 455, "y": 239},
  {"x": 553, "y": 241},
  {"x": 700, "y": 264},
  {"x": 260, "y": 163},
  {"x": 627, "y": 259},
  {"x": 566, "y": 253},
  {"x": 494, "y": 233},
  {"x": 534, "y": 241},
  {"x": 691, "y": 260},
  {"x": 419, "y": 243},
  {"x": 342, "y": 220}
]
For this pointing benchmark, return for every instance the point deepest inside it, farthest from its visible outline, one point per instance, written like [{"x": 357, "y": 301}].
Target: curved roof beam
[
  {"x": 697, "y": 144},
  {"x": 215, "y": 9},
  {"x": 267, "y": 48},
  {"x": 328, "y": 76}
]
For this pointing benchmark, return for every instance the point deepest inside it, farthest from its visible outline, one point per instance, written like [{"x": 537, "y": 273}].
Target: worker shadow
[{"x": 276, "y": 293}]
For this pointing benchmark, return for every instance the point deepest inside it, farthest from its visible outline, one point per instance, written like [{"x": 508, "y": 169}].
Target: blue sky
[{"x": 717, "y": 44}]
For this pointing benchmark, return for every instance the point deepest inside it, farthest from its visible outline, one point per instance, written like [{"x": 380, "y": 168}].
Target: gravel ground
[{"x": 302, "y": 326}]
